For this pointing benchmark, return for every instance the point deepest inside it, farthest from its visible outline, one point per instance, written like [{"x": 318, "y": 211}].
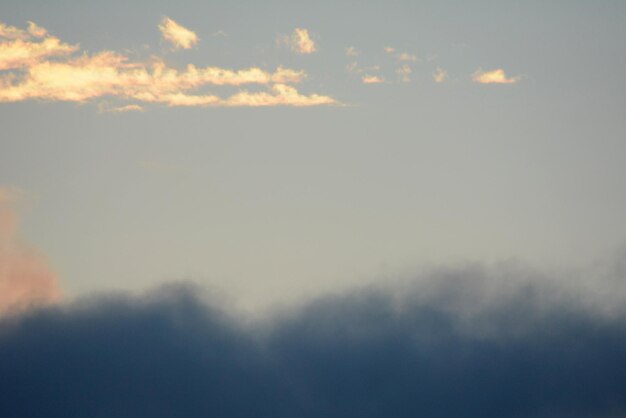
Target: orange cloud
[
  {"x": 26, "y": 280},
  {"x": 109, "y": 74},
  {"x": 494, "y": 77},
  {"x": 178, "y": 35},
  {"x": 372, "y": 79}
]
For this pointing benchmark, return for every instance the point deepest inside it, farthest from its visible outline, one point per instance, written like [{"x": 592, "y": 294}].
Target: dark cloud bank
[{"x": 467, "y": 342}]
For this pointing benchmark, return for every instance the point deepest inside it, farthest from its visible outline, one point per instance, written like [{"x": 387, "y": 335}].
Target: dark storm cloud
[{"x": 467, "y": 342}]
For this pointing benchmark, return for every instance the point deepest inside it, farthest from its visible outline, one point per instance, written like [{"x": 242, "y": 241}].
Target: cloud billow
[{"x": 464, "y": 344}]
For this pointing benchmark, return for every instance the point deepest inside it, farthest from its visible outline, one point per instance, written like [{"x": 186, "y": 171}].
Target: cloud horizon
[{"x": 467, "y": 341}]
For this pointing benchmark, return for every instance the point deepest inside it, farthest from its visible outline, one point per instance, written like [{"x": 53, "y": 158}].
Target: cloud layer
[
  {"x": 26, "y": 280},
  {"x": 43, "y": 68},
  {"x": 464, "y": 342}
]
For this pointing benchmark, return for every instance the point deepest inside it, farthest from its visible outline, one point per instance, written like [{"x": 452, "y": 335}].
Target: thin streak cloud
[
  {"x": 372, "y": 79},
  {"x": 497, "y": 76}
]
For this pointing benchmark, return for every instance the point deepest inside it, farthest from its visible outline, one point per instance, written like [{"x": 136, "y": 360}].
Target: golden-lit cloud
[
  {"x": 109, "y": 74},
  {"x": 178, "y": 35},
  {"x": 389, "y": 50},
  {"x": 440, "y": 75},
  {"x": 126, "y": 108},
  {"x": 497, "y": 76},
  {"x": 32, "y": 31},
  {"x": 300, "y": 41},
  {"x": 26, "y": 279},
  {"x": 404, "y": 73},
  {"x": 23, "y": 48},
  {"x": 372, "y": 79},
  {"x": 280, "y": 95}
]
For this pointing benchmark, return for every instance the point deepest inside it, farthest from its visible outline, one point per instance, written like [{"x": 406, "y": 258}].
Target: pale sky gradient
[{"x": 275, "y": 203}]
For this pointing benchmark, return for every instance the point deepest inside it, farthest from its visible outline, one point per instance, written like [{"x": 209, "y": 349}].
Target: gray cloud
[{"x": 463, "y": 342}]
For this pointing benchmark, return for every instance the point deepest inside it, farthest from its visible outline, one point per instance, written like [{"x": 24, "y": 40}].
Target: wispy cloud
[
  {"x": 123, "y": 109},
  {"x": 372, "y": 79},
  {"x": 300, "y": 41},
  {"x": 440, "y": 75},
  {"x": 26, "y": 280},
  {"x": 405, "y": 56},
  {"x": 404, "y": 73},
  {"x": 400, "y": 56},
  {"x": 178, "y": 35},
  {"x": 109, "y": 74},
  {"x": 352, "y": 52},
  {"x": 497, "y": 76}
]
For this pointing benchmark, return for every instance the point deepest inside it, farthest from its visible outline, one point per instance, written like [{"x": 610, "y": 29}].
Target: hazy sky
[
  {"x": 314, "y": 144},
  {"x": 312, "y": 209}
]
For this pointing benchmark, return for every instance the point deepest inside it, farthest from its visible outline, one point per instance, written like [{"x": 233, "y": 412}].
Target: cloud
[
  {"x": 178, "y": 35},
  {"x": 400, "y": 56},
  {"x": 497, "y": 76},
  {"x": 108, "y": 74},
  {"x": 440, "y": 75},
  {"x": 463, "y": 341},
  {"x": 127, "y": 108},
  {"x": 280, "y": 95},
  {"x": 404, "y": 73},
  {"x": 406, "y": 57},
  {"x": 352, "y": 52},
  {"x": 300, "y": 41},
  {"x": 33, "y": 31},
  {"x": 26, "y": 280},
  {"x": 24, "y": 48},
  {"x": 372, "y": 79}
]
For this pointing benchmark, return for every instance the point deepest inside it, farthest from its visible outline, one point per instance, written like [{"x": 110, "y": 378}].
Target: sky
[{"x": 292, "y": 170}]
